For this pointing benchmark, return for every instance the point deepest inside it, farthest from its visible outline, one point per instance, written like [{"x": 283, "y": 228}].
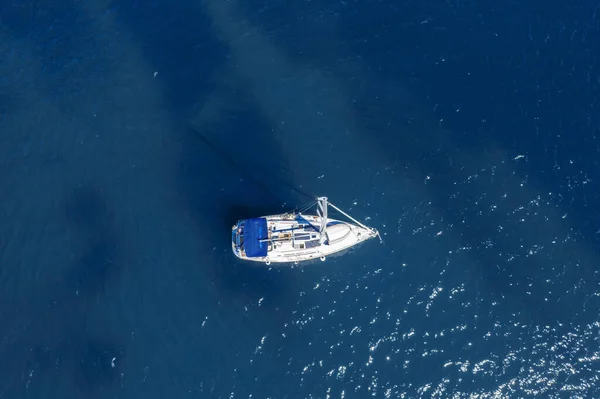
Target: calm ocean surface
[{"x": 134, "y": 133}]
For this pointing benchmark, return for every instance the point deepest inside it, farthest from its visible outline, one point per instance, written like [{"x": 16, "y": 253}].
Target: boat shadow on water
[{"x": 215, "y": 202}]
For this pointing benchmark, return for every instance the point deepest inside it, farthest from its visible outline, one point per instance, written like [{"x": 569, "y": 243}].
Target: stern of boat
[
  {"x": 249, "y": 239},
  {"x": 237, "y": 238}
]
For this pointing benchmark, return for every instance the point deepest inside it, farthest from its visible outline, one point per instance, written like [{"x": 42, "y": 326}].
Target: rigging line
[
  {"x": 244, "y": 170},
  {"x": 231, "y": 162}
]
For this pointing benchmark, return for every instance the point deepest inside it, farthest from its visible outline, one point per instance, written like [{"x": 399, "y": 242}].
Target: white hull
[{"x": 295, "y": 238}]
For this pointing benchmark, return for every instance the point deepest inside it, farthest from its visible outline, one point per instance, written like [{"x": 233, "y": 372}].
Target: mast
[{"x": 322, "y": 213}]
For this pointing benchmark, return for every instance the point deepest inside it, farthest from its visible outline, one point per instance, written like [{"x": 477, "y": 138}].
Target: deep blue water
[{"x": 133, "y": 134}]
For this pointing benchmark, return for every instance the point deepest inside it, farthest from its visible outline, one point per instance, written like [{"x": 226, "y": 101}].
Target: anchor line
[{"x": 244, "y": 170}]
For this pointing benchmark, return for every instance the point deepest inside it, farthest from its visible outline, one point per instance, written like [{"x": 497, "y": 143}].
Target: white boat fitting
[{"x": 296, "y": 237}]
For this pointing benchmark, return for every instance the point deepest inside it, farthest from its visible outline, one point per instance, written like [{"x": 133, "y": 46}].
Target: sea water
[{"x": 134, "y": 134}]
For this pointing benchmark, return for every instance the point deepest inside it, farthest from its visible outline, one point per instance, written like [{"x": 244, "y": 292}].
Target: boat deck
[{"x": 291, "y": 235}]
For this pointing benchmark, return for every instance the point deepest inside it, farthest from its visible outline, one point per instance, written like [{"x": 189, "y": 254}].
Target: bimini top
[{"x": 255, "y": 230}]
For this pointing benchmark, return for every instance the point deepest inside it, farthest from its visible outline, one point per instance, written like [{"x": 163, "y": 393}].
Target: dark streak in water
[{"x": 54, "y": 330}]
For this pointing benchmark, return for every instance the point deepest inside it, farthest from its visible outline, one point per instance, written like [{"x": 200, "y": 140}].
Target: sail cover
[
  {"x": 322, "y": 212},
  {"x": 255, "y": 230}
]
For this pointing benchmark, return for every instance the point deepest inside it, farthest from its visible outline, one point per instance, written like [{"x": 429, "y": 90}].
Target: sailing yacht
[{"x": 298, "y": 236}]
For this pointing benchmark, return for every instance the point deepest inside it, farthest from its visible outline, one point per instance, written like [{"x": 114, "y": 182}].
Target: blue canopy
[{"x": 255, "y": 230}]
